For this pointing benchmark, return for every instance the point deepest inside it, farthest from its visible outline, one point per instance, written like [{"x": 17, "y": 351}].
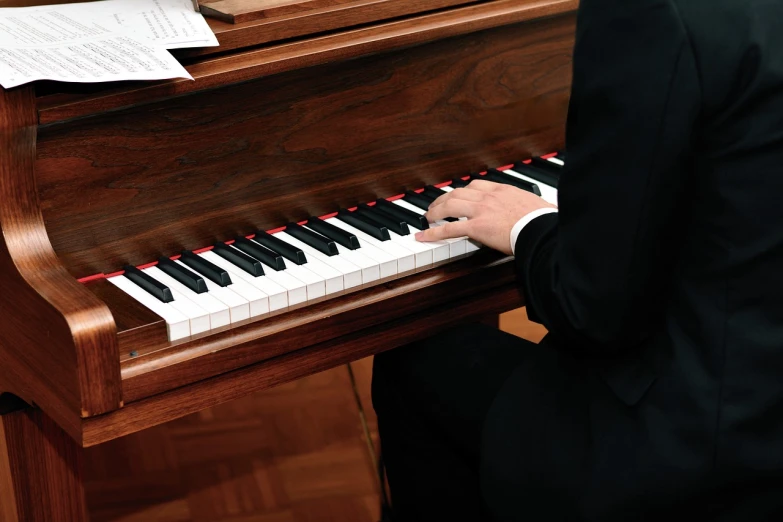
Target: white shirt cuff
[{"x": 522, "y": 223}]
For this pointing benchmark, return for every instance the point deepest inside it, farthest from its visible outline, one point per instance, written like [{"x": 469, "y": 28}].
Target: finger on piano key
[
  {"x": 312, "y": 239},
  {"x": 281, "y": 247},
  {"x": 404, "y": 259},
  {"x": 430, "y": 194},
  {"x": 205, "y": 268},
  {"x": 387, "y": 262},
  {"x": 148, "y": 284},
  {"x": 217, "y": 310},
  {"x": 177, "y": 325},
  {"x": 413, "y": 219},
  {"x": 548, "y": 193},
  {"x": 457, "y": 245},
  {"x": 238, "y": 307},
  {"x": 338, "y": 235},
  {"x": 198, "y": 317},
  {"x": 348, "y": 274},
  {"x": 260, "y": 252},
  {"x": 380, "y": 219},
  {"x": 187, "y": 277},
  {"x": 423, "y": 252},
  {"x": 358, "y": 222},
  {"x": 256, "y": 298},
  {"x": 471, "y": 245},
  {"x": 239, "y": 259}
]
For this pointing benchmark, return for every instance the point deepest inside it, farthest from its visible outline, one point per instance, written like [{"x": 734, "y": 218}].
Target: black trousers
[{"x": 448, "y": 408}]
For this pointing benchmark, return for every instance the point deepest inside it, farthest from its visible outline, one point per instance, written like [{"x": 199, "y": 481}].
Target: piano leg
[{"x": 40, "y": 470}]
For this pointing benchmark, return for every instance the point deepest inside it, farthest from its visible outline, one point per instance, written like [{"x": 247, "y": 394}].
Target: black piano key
[
  {"x": 289, "y": 252},
  {"x": 501, "y": 177},
  {"x": 561, "y": 155},
  {"x": 397, "y": 226},
  {"x": 359, "y": 222},
  {"x": 539, "y": 175},
  {"x": 149, "y": 284},
  {"x": 397, "y": 212},
  {"x": 546, "y": 165},
  {"x": 313, "y": 239},
  {"x": 433, "y": 192},
  {"x": 206, "y": 268},
  {"x": 337, "y": 234},
  {"x": 238, "y": 258},
  {"x": 418, "y": 200},
  {"x": 260, "y": 252},
  {"x": 459, "y": 183},
  {"x": 190, "y": 279}
]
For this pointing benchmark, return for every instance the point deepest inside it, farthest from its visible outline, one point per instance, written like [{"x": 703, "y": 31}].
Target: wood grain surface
[
  {"x": 58, "y": 343},
  {"x": 130, "y": 185}
]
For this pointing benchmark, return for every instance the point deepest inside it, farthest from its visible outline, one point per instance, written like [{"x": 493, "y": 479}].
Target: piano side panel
[{"x": 126, "y": 186}]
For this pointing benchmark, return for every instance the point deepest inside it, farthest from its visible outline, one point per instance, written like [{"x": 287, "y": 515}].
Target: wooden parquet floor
[{"x": 295, "y": 453}]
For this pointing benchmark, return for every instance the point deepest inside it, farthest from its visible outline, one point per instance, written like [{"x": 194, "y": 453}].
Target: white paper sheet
[
  {"x": 172, "y": 23},
  {"x": 47, "y": 44}
]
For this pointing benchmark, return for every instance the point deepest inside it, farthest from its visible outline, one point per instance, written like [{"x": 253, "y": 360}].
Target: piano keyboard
[{"x": 248, "y": 278}]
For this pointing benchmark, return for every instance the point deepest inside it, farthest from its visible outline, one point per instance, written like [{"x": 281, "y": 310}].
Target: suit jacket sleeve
[{"x": 595, "y": 274}]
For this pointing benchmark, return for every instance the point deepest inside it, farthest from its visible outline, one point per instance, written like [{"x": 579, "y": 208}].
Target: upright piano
[{"x": 169, "y": 246}]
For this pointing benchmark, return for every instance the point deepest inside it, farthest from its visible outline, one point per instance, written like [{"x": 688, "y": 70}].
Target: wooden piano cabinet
[{"x": 93, "y": 177}]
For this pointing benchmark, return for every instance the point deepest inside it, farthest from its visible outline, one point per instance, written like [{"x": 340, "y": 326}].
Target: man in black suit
[{"x": 659, "y": 389}]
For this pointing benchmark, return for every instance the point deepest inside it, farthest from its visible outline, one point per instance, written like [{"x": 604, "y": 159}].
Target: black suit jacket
[{"x": 661, "y": 277}]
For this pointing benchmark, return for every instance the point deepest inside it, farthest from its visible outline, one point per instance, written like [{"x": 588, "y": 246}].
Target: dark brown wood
[
  {"x": 330, "y": 48},
  {"x": 40, "y": 470},
  {"x": 310, "y": 22},
  {"x": 138, "y": 329},
  {"x": 228, "y": 386},
  {"x": 58, "y": 343},
  {"x": 238, "y": 11},
  {"x": 228, "y": 161}
]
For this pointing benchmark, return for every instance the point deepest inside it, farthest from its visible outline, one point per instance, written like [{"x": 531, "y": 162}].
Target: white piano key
[
  {"x": 352, "y": 274},
  {"x": 421, "y": 251},
  {"x": 256, "y": 297},
  {"x": 278, "y": 294},
  {"x": 218, "y": 312},
  {"x": 370, "y": 269},
  {"x": 315, "y": 285},
  {"x": 296, "y": 289},
  {"x": 386, "y": 262},
  {"x": 333, "y": 278},
  {"x": 177, "y": 325},
  {"x": 556, "y": 161},
  {"x": 457, "y": 245},
  {"x": 406, "y": 260},
  {"x": 548, "y": 193},
  {"x": 238, "y": 306}
]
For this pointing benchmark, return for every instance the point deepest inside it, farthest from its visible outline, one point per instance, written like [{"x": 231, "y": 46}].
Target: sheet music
[
  {"x": 172, "y": 23},
  {"x": 110, "y": 40},
  {"x": 50, "y": 45}
]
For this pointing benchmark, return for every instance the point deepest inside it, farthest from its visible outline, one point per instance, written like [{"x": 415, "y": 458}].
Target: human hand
[{"x": 492, "y": 210}]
